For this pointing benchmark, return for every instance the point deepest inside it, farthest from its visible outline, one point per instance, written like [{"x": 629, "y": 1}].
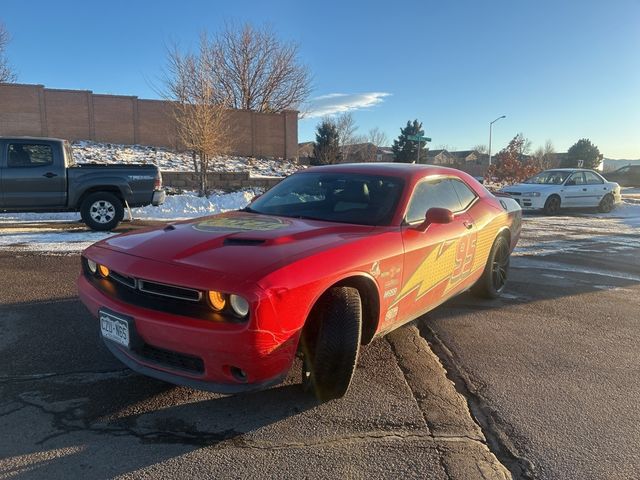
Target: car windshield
[
  {"x": 550, "y": 177},
  {"x": 333, "y": 197}
]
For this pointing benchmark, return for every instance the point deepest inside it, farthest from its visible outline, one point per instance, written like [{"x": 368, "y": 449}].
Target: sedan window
[
  {"x": 576, "y": 179},
  {"x": 592, "y": 178},
  {"x": 438, "y": 192}
]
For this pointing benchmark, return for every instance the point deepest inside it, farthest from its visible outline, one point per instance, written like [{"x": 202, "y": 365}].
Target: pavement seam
[
  {"x": 7, "y": 379},
  {"x": 497, "y": 440},
  {"x": 441, "y": 461}
]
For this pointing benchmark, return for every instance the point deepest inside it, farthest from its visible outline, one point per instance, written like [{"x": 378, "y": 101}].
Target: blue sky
[{"x": 559, "y": 70}]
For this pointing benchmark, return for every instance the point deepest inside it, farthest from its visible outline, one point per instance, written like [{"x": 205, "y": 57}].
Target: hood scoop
[{"x": 242, "y": 242}]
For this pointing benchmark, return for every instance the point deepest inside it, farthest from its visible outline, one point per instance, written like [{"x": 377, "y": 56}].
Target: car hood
[
  {"x": 241, "y": 244},
  {"x": 529, "y": 187}
]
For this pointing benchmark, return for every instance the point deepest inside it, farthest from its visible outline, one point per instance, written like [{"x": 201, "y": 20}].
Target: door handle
[
  {"x": 49, "y": 174},
  {"x": 468, "y": 225},
  {"x": 584, "y": 189}
]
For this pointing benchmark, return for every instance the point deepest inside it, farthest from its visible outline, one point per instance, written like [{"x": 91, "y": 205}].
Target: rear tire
[
  {"x": 494, "y": 278},
  {"x": 102, "y": 211},
  {"x": 331, "y": 342},
  {"x": 552, "y": 205},
  {"x": 606, "y": 204}
]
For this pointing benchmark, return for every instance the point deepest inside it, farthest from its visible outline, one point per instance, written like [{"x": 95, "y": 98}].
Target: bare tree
[
  {"x": 377, "y": 137},
  {"x": 480, "y": 148},
  {"x": 545, "y": 156},
  {"x": 200, "y": 114},
  {"x": 346, "y": 127},
  {"x": 7, "y": 75},
  {"x": 254, "y": 70}
]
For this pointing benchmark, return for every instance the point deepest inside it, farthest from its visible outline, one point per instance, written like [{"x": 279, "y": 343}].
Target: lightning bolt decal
[{"x": 433, "y": 270}]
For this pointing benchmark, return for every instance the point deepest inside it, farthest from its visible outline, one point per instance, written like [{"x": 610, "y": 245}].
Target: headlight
[
  {"x": 531, "y": 194},
  {"x": 239, "y": 305},
  {"x": 93, "y": 266},
  {"x": 104, "y": 271},
  {"x": 217, "y": 300}
]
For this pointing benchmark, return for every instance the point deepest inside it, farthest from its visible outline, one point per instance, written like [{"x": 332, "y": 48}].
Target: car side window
[
  {"x": 576, "y": 179},
  {"x": 437, "y": 192},
  {"x": 465, "y": 194},
  {"x": 624, "y": 170},
  {"x": 592, "y": 178},
  {"x": 29, "y": 155}
]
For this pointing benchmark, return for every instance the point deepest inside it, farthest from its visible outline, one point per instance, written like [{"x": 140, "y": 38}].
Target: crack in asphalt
[
  {"x": 493, "y": 427},
  {"x": 89, "y": 374}
]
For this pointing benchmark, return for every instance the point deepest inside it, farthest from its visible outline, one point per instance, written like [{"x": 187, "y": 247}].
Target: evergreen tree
[
  {"x": 586, "y": 151},
  {"x": 326, "y": 149},
  {"x": 406, "y": 151}
]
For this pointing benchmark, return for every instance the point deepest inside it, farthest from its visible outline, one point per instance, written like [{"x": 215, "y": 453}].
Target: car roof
[
  {"x": 404, "y": 170},
  {"x": 39, "y": 139},
  {"x": 570, "y": 170}
]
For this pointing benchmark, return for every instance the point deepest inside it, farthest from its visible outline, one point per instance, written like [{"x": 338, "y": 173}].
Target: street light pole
[{"x": 490, "y": 126}]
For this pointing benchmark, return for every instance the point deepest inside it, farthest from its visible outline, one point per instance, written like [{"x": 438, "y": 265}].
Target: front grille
[
  {"x": 169, "y": 291},
  {"x": 514, "y": 193},
  {"x": 175, "y": 360},
  {"x": 123, "y": 279},
  {"x": 185, "y": 302}
]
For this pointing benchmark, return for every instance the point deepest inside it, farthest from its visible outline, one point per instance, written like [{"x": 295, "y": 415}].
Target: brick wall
[
  {"x": 227, "y": 181},
  {"x": 82, "y": 115}
]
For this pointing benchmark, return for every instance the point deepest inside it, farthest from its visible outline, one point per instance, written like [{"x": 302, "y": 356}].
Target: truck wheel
[
  {"x": 101, "y": 211},
  {"x": 331, "y": 343},
  {"x": 606, "y": 204},
  {"x": 494, "y": 278},
  {"x": 552, "y": 205}
]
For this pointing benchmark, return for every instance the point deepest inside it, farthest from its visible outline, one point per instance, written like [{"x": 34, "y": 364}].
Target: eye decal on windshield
[{"x": 249, "y": 222}]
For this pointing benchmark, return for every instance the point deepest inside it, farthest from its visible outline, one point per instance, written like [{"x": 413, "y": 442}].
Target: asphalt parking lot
[
  {"x": 70, "y": 410},
  {"x": 550, "y": 372}
]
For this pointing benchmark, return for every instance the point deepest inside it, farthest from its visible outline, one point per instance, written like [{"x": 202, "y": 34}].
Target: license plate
[{"x": 114, "y": 328}]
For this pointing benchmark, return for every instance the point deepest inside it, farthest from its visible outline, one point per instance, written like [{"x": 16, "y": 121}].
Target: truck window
[
  {"x": 29, "y": 155},
  {"x": 71, "y": 161}
]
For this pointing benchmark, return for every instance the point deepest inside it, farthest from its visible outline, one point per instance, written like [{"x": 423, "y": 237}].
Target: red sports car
[{"x": 320, "y": 264}]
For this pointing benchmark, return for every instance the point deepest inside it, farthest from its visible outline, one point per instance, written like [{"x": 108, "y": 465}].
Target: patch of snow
[
  {"x": 529, "y": 263},
  {"x": 85, "y": 151},
  {"x": 189, "y": 205},
  {"x": 56, "y": 242},
  {"x": 580, "y": 232},
  {"x": 51, "y": 242},
  {"x": 186, "y": 205}
]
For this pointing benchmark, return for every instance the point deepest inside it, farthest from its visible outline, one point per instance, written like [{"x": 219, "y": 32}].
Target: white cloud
[{"x": 342, "y": 102}]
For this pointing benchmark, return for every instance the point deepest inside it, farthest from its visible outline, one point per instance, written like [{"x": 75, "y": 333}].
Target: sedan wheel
[
  {"x": 606, "y": 204},
  {"x": 552, "y": 205}
]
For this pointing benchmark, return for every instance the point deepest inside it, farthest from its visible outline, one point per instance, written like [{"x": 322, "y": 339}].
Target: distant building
[
  {"x": 470, "y": 161},
  {"x": 356, "y": 153}
]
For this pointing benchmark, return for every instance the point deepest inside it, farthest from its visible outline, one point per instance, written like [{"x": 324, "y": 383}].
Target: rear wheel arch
[{"x": 107, "y": 188}]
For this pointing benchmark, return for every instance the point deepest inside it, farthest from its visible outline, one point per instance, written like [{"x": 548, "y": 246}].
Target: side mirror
[
  {"x": 570, "y": 183},
  {"x": 437, "y": 215}
]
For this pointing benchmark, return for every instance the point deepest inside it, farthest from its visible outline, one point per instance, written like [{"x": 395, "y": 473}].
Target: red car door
[{"x": 439, "y": 258}]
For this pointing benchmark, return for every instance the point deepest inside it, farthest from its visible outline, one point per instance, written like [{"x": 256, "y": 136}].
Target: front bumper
[
  {"x": 264, "y": 356},
  {"x": 529, "y": 203},
  {"x": 158, "y": 198}
]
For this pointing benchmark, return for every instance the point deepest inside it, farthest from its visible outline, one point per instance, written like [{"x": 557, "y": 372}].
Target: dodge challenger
[{"x": 318, "y": 266}]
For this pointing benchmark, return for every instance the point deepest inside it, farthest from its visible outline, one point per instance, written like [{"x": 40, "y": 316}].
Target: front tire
[
  {"x": 494, "y": 278},
  {"x": 331, "y": 343},
  {"x": 606, "y": 204},
  {"x": 102, "y": 211},
  {"x": 552, "y": 205}
]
